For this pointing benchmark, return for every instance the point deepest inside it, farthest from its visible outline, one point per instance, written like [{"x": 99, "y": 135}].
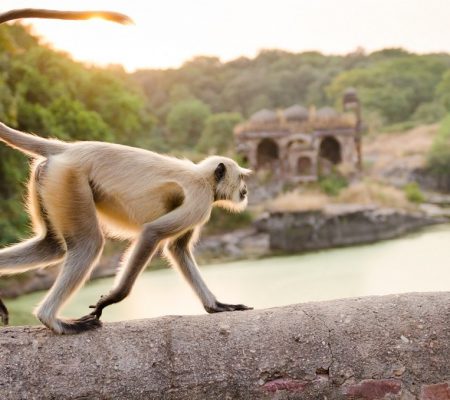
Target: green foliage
[
  {"x": 413, "y": 193},
  {"x": 439, "y": 154},
  {"x": 186, "y": 121},
  {"x": 332, "y": 184},
  {"x": 46, "y": 92},
  {"x": 217, "y": 136},
  {"x": 428, "y": 113},
  {"x": 395, "y": 87},
  {"x": 224, "y": 221},
  {"x": 73, "y": 121},
  {"x": 443, "y": 90}
]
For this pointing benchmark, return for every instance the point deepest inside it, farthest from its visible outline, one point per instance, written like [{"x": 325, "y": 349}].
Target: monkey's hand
[
  {"x": 221, "y": 307},
  {"x": 106, "y": 300},
  {"x": 98, "y": 308},
  {"x": 4, "y": 315}
]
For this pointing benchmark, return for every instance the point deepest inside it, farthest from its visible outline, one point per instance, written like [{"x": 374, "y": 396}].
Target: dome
[
  {"x": 264, "y": 116},
  {"x": 296, "y": 113},
  {"x": 350, "y": 91},
  {"x": 350, "y": 95},
  {"x": 326, "y": 113}
]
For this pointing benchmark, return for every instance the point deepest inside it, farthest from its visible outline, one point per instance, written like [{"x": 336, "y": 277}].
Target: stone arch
[
  {"x": 297, "y": 144},
  {"x": 304, "y": 166},
  {"x": 267, "y": 152},
  {"x": 330, "y": 149}
]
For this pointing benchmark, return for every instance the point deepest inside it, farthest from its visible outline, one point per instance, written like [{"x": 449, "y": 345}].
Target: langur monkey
[{"x": 81, "y": 192}]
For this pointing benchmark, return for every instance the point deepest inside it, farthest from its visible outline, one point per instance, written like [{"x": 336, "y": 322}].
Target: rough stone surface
[
  {"x": 343, "y": 349},
  {"x": 340, "y": 225}
]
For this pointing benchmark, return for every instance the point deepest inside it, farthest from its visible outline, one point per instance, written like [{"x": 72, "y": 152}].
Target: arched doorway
[
  {"x": 330, "y": 149},
  {"x": 267, "y": 152},
  {"x": 304, "y": 166}
]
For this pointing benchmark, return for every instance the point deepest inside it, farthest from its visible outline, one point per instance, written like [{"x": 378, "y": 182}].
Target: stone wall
[
  {"x": 339, "y": 225},
  {"x": 391, "y": 347}
]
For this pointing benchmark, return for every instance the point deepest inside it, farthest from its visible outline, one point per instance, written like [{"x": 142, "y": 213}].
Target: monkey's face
[{"x": 230, "y": 190}]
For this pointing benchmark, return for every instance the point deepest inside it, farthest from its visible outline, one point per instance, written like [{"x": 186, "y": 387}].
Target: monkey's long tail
[
  {"x": 71, "y": 15},
  {"x": 30, "y": 144}
]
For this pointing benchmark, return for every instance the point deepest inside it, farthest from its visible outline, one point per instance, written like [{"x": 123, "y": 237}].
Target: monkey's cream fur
[{"x": 80, "y": 192}]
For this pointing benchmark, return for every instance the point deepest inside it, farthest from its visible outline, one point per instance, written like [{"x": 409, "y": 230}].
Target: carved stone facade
[{"x": 297, "y": 144}]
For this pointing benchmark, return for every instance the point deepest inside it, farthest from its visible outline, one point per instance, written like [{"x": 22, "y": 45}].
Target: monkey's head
[{"x": 228, "y": 178}]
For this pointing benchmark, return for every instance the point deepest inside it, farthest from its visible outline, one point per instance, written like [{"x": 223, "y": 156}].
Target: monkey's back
[{"x": 131, "y": 186}]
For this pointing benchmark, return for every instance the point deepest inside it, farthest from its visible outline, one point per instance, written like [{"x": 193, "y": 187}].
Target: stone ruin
[{"x": 299, "y": 144}]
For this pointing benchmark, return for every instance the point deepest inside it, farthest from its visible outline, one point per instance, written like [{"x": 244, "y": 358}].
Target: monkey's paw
[
  {"x": 4, "y": 315},
  {"x": 221, "y": 307}
]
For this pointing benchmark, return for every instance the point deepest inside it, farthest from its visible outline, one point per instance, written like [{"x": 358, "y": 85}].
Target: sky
[{"x": 169, "y": 32}]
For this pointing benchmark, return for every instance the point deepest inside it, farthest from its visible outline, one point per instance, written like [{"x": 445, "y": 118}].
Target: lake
[{"x": 417, "y": 262}]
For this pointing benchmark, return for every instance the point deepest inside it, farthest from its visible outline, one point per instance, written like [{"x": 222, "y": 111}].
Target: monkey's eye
[{"x": 219, "y": 173}]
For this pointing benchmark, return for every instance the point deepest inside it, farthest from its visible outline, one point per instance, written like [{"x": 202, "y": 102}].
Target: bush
[
  {"x": 224, "y": 221},
  {"x": 439, "y": 155},
  {"x": 413, "y": 193},
  {"x": 429, "y": 113},
  {"x": 332, "y": 184}
]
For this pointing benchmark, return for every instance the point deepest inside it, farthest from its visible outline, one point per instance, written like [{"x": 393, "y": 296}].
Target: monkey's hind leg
[
  {"x": 42, "y": 250},
  {"x": 68, "y": 199},
  {"x": 4, "y": 315},
  {"x": 31, "y": 254}
]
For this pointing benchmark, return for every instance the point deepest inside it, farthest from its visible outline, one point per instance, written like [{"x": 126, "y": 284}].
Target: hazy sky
[{"x": 169, "y": 32}]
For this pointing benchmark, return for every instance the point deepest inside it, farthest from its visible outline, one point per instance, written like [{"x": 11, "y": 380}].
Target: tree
[
  {"x": 186, "y": 121},
  {"x": 439, "y": 155},
  {"x": 394, "y": 87},
  {"x": 443, "y": 90},
  {"x": 217, "y": 136}
]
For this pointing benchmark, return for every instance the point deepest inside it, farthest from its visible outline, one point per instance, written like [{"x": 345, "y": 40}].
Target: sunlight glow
[{"x": 167, "y": 33}]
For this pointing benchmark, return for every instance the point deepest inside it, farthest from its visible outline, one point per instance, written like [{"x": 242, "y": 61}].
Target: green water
[{"x": 418, "y": 262}]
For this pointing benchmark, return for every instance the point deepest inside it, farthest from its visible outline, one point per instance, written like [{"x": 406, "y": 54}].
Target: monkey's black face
[
  {"x": 243, "y": 192},
  {"x": 231, "y": 191}
]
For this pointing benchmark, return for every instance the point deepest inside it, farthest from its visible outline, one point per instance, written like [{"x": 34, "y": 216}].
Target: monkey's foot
[
  {"x": 4, "y": 315},
  {"x": 221, "y": 307},
  {"x": 74, "y": 326}
]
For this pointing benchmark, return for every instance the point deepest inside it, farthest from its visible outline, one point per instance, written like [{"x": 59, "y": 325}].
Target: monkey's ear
[
  {"x": 219, "y": 173},
  {"x": 246, "y": 171}
]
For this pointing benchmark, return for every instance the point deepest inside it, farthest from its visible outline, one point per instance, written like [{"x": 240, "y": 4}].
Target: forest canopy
[{"x": 193, "y": 109}]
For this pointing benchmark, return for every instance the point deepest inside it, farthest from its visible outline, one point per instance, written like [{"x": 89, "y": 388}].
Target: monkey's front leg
[
  {"x": 180, "y": 254},
  {"x": 141, "y": 253}
]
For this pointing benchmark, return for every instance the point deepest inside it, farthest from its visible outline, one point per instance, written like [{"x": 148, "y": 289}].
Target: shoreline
[{"x": 275, "y": 234}]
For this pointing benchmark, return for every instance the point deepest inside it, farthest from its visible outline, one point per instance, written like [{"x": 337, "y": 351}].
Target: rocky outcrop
[
  {"x": 339, "y": 225},
  {"x": 393, "y": 347},
  {"x": 431, "y": 181},
  {"x": 239, "y": 244}
]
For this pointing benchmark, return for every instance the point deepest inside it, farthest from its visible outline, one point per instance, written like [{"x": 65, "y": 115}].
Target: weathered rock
[
  {"x": 340, "y": 225},
  {"x": 430, "y": 181},
  {"x": 239, "y": 244},
  {"x": 343, "y": 349}
]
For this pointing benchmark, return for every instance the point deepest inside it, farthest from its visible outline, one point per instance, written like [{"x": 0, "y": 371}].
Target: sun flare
[{"x": 168, "y": 33}]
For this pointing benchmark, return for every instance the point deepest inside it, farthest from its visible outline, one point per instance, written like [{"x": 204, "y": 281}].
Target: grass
[
  {"x": 366, "y": 192},
  {"x": 413, "y": 193},
  {"x": 297, "y": 200}
]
